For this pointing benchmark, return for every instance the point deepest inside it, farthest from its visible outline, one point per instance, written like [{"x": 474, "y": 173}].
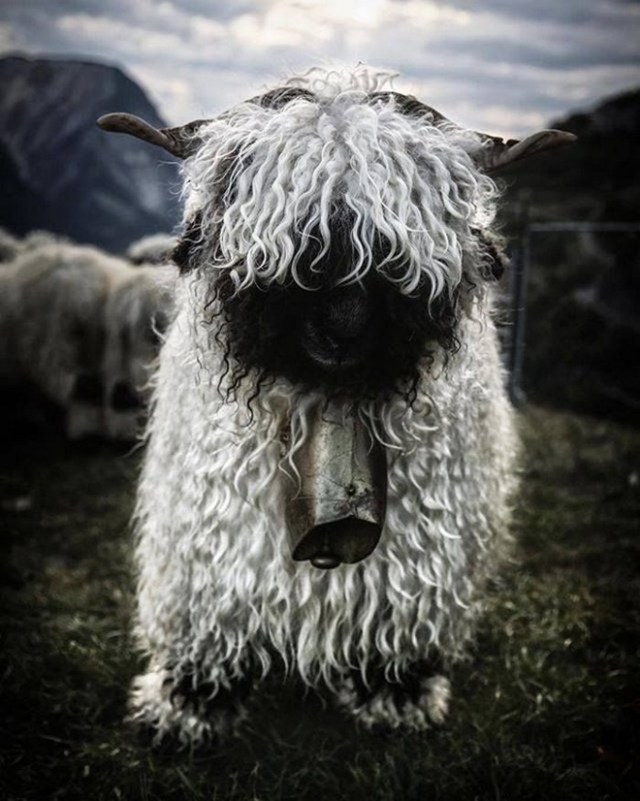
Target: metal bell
[{"x": 335, "y": 513}]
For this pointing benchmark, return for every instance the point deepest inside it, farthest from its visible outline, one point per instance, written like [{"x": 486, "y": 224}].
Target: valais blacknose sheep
[
  {"x": 331, "y": 455},
  {"x": 82, "y": 327},
  {"x": 52, "y": 299}
]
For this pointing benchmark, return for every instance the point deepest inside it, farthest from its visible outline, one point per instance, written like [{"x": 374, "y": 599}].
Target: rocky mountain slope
[{"x": 59, "y": 172}]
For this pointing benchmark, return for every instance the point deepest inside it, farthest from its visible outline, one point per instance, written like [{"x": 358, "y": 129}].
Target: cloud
[
  {"x": 505, "y": 65},
  {"x": 7, "y": 38}
]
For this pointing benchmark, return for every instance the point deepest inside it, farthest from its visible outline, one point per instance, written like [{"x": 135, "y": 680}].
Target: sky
[{"x": 506, "y": 67}]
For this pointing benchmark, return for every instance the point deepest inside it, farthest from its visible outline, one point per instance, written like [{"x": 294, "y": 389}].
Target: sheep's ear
[
  {"x": 180, "y": 141},
  {"x": 495, "y": 152},
  {"x": 498, "y": 153}
]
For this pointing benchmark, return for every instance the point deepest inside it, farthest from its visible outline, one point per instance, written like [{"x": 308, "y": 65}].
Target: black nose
[
  {"x": 336, "y": 328},
  {"x": 344, "y": 314}
]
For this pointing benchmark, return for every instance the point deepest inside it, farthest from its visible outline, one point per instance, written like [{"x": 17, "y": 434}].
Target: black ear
[
  {"x": 277, "y": 98},
  {"x": 184, "y": 252},
  {"x": 494, "y": 259}
]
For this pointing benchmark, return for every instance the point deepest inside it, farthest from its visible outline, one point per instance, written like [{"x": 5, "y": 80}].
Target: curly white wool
[
  {"x": 402, "y": 178},
  {"x": 217, "y": 584},
  {"x": 218, "y": 592}
]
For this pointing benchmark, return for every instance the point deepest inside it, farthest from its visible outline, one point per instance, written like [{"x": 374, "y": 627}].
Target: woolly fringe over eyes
[{"x": 268, "y": 181}]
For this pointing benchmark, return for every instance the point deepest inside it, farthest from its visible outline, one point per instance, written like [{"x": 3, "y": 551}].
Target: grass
[{"x": 548, "y": 706}]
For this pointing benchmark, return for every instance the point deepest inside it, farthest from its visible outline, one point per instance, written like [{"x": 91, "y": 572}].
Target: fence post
[
  {"x": 519, "y": 299},
  {"x": 520, "y": 277}
]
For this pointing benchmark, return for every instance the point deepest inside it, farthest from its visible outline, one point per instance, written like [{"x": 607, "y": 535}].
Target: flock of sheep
[{"x": 84, "y": 327}]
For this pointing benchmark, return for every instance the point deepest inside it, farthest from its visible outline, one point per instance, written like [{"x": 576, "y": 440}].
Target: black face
[
  {"x": 361, "y": 339},
  {"x": 356, "y": 339}
]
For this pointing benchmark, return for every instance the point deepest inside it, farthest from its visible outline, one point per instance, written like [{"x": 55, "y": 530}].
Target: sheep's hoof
[
  {"x": 392, "y": 706},
  {"x": 179, "y": 715}
]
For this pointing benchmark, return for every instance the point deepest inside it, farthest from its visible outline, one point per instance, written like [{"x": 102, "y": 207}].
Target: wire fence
[{"x": 521, "y": 270}]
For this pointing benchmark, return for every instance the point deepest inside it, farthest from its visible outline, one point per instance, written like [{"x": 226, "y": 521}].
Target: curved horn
[
  {"x": 498, "y": 153},
  {"x": 180, "y": 141}
]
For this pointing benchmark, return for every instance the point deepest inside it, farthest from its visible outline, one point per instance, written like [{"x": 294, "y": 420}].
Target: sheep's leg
[
  {"x": 188, "y": 707},
  {"x": 124, "y": 411},
  {"x": 416, "y": 702},
  {"x": 84, "y": 407}
]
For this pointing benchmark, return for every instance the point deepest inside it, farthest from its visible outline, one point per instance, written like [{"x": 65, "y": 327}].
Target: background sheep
[
  {"x": 53, "y": 324},
  {"x": 9, "y": 246},
  {"x": 152, "y": 249},
  {"x": 137, "y": 313},
  {"x": 60, "y": 306}
]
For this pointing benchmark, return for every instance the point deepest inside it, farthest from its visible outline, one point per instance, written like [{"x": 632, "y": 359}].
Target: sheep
[
  {"x": 331, "y": 458},
  {"x": 137, "y": 313},
  {"x": 74, "y": 322},
  {"x": 9, "y": 246},
  {"x": 53, "y": 332}
]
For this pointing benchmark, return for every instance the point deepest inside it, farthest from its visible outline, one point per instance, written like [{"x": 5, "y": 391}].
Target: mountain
[
  {"x": 60, "y": 172},
  {"x": 617, "y": 115}
]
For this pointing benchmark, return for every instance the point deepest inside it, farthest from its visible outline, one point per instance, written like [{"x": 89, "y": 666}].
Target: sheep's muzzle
[{"x": 336, "y": 504}]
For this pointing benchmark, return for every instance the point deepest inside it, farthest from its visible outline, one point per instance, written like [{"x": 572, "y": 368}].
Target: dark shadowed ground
[{"x": 548, "y": 707}]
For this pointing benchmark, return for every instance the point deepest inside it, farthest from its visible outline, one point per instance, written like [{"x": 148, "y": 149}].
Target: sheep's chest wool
[{"x": 334, "y": 329}]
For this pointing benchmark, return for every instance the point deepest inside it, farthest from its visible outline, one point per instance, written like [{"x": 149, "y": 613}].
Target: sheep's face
[
  {"x": 336, "y": 235},
  {"x": 364, "y": 339}
]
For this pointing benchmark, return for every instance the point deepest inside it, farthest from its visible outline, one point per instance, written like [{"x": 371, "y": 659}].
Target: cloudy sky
[{"x": 504, "y": 66}]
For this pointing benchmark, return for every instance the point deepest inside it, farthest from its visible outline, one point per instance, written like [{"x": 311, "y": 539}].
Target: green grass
[{"x": 543, "y": 709}]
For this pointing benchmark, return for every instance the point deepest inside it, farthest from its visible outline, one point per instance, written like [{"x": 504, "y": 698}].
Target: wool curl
[
  {"x": 268, "y": 181},
  {"x": 417, "y": 594}
]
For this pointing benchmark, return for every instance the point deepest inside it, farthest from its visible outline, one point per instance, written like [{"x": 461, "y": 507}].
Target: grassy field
[{"x": 547, "y": 708}]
